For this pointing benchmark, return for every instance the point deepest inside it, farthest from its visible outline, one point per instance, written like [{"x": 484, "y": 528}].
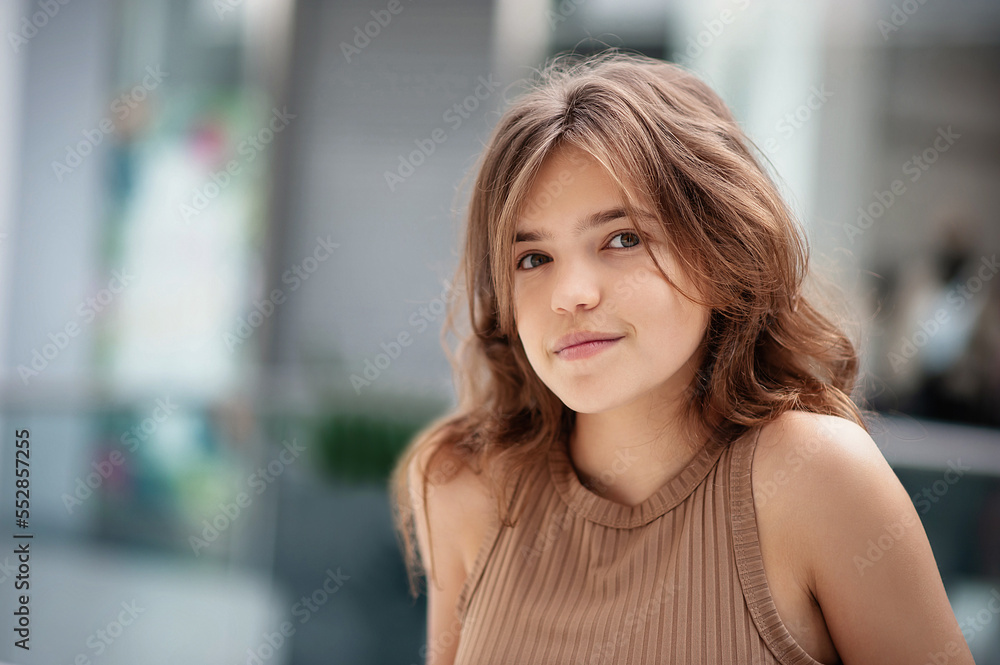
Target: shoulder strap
[{"x": 750, "y": 565}]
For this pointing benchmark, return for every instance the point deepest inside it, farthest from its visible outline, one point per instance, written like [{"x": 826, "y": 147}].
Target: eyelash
[{"x": 638, "y": 241}]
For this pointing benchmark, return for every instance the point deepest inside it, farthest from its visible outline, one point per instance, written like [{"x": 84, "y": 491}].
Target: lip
[
  {"x": 586, "y": 349},
  {"x": 583, "y": 337}
]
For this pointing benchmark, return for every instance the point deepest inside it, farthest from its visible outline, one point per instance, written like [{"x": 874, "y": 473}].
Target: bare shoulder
[
  {"x": 849, "y": 531},
  {"x": 823, "y": 439},
  {"x": 456, "y": 501},
  {"x": 801, "y": 456},
  {"x": 809, "y": 468},
  {"x": 452, "y": 506}
]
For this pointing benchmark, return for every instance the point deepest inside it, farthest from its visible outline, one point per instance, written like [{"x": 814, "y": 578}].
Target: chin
[{"x": 597, "y": 400}]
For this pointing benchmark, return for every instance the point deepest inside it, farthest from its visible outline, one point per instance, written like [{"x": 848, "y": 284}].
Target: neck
[{"x": 626, "y": 454}]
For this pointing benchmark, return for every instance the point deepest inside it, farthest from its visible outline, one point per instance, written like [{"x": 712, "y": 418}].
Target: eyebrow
[{"x": 589, "y": 222}]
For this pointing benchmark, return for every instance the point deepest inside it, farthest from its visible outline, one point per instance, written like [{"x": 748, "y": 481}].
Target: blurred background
[{"x": 226, "y": 233}]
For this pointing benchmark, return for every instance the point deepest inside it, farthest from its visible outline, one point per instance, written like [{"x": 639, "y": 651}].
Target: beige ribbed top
[{"x": 580, "y": 579}]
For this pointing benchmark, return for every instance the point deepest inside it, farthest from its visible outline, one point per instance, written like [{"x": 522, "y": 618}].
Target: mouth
[
  {"x": 583, "y": 337},
  {"x": 585, "y": 345}
]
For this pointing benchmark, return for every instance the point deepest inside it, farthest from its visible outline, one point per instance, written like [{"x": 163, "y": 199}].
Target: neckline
[{"x": 606, "y": 512}]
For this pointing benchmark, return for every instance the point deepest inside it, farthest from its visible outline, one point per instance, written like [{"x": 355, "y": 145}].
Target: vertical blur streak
[
  {"x": 521, "y": 36},
  {"x": 11, "y": 71}
]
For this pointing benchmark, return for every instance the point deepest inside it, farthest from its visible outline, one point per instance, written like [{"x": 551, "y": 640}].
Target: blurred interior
[{"x": 225, "y": 238}]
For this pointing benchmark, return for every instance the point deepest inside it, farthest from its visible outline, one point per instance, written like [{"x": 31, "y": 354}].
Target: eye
[
  {"x": 521, "y": 261},
  {"x": 631, "y": 239},
  {"x": 631, "y": 236}
]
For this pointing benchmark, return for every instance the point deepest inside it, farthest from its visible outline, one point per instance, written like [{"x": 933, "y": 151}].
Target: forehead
[
  {"x": 566, "y": 165},
  {"x": 567, "y": 178},
  {"x": 572, "y": 182}
]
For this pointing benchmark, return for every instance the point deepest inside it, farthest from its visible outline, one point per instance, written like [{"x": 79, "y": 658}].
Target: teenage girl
[{"x": 655, "y": 457}]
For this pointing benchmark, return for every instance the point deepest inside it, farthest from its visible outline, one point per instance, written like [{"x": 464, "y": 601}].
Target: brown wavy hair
[{"x": 672, "y": 145}]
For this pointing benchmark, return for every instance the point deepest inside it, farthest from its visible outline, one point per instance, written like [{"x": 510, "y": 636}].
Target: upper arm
[
  {"x": 861, "y": 545},
  {"x": 453, "y": 495}
]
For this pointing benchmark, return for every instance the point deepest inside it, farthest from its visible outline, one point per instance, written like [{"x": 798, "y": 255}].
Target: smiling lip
[
  {"x": 586, "y": 349},
  {"x": 584, "y": 343}
]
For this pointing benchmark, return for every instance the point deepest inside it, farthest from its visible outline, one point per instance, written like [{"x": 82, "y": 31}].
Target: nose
[{"x": 577, "y": 284}]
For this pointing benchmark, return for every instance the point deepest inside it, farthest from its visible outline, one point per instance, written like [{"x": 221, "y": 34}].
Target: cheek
[
  {"x": 659, "y": 298},
  {"x": 525, "y": 304},
  {"x": 525, "y": 324},
  {"x": 517, "y": 308},
  {"x": 669, "y": 318}
]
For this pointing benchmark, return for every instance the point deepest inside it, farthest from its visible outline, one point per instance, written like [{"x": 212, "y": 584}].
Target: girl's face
[{"x": 579, "y": 267}]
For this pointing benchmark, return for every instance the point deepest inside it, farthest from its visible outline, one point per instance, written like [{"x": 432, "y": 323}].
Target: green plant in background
[{"x": 363, "y": 447}]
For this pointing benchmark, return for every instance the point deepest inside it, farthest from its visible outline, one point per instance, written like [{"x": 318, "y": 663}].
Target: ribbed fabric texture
[{"x": 582, "y": 580}]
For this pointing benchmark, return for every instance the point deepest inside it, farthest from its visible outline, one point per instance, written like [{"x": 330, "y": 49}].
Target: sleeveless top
[{"x": 582, "y": 580}]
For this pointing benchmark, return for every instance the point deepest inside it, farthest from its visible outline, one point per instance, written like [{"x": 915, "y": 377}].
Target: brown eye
[
  {"x": 521, "y": 261},
  {"x": 631, "y": 240}
]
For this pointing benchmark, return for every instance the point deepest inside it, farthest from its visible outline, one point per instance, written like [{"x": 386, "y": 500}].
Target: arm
[
  {"x": 868, "y": 561},
  {"x": 452, "y": 498}
]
